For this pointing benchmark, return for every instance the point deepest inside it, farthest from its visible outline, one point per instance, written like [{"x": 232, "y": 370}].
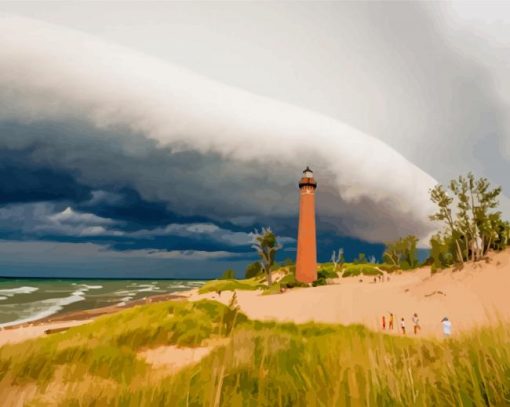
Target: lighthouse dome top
[{"x": 308, "y": 173}]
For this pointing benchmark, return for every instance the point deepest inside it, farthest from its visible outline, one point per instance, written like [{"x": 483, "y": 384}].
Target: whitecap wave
[
  {"x": 45, "y": 308},
  {"x": 11, "y": 292},
  {"x": 19, "y": 290},
  {"x": 92, "y": 287},
  {"x": 148, "y": 288}
]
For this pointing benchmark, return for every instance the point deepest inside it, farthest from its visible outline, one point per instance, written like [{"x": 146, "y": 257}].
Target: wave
[
  {"x": 92, "y": 287},
  {"x": 45, "y": 308},
  {"x": 148, "y": 288},
  {"x": 19, "y": 290}
]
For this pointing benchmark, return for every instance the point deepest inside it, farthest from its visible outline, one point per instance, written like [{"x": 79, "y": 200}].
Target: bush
[
  {"x": 322, "y": 277},
  {"x": 253, "y": 270},
  {"x": 361, "y": 269},
  {"x": 388, "y": 268},
  {"x": 230, "y": 285},
  {"x": 289, "y": 281},
  {"x": 361, "y": 259},
  {"x": 228, "y": 275}
]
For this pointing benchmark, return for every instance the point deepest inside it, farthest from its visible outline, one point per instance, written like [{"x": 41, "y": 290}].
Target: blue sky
[{"x": 152, "y": 139}]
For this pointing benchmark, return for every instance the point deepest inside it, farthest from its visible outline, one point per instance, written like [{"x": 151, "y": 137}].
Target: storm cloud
[{"x": 112, "y": 117}]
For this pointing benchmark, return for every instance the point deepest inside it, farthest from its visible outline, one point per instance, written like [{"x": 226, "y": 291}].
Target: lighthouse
[{"x": 306, "y": 259}]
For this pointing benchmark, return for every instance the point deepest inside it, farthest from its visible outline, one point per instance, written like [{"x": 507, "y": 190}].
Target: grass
[
  {"x": 230, "y": 285},
  {"x": 263, "y": 363},
  {"x": 361, "y": 269}
]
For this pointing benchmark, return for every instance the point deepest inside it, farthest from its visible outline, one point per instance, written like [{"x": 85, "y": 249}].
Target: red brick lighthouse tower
[{"x": 306, "y": 260}]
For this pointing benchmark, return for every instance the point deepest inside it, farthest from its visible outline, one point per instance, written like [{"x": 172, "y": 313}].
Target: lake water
[{"x": 25, "y": 300}]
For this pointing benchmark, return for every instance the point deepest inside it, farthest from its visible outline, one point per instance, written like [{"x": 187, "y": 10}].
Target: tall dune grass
[{"x": 262, "y": 364}]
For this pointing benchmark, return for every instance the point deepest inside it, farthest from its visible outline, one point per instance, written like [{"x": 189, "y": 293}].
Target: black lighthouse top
[{"x": 307, "y": 180}]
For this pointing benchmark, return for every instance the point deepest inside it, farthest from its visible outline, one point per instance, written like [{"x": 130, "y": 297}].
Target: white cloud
[
  {"x": 367, "y": 189},
  {"x": 44, "y": 218}
]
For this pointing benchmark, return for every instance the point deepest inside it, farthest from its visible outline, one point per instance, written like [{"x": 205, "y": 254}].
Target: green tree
[
  {"x": 361, "y": 259},
  {"x": 440, "y": 197},
  {"x": 266, "y": 245},
  {"x": 474, "y": 225},
  {"x": 402, "y": 252},
  {"x": 440, "y": 253},
  {"x": 228, "y": 275},
  {"x": 253, "y": 270}
]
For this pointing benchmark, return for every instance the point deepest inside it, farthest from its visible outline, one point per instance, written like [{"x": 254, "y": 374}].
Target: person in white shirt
[
  {"x": 447, "y": 327},
  {"x": 416, "y": 323},
  {"x": 403, "y": 326}
]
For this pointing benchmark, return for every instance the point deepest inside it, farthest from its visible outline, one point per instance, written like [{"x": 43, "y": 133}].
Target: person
[
  {"x": 416, "y": 323},
  {"x": 447, "y": 327},
  {"x": 383, "y": 322},
  {"x": 375, "y": 279},
  {"x": 403, "y": 325},
  {"x": 390, "y": 322},
  {"x": 219, "y": 293}
]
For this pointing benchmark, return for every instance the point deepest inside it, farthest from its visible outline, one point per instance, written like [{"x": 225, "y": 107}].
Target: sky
[{"x": 151, "y": 139}]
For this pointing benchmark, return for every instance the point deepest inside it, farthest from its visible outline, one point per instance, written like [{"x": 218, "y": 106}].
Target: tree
[
  {"x": 361, "y": 259},
  {"x": 337, "y": 259},
  {"x": 440, "y": 197},
  {"x": 253, "y": 270},
  {"x": 266, "y": 245},
  {"x": 228, "y": 275},
  {"x": 402, "y": 252},
  {"x": 473, "y": 223},
  {"x": 440, "y": 253}
]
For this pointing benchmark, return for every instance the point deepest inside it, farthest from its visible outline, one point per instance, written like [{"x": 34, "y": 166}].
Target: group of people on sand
[
  {"x": 381, "y": 278},
  {"x": 402, "y": 323},
  {"x": 447, "y": 325}
]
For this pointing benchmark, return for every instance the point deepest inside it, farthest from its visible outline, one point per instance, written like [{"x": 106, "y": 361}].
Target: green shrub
[
  {"x": 228, "y": 275},
  {"x": 361, "y": 269},
  {"x": 253, "y": 270},
  {"x": 289, "y": 281},
  {"x": 388, "y": 268},
  {"x": 361, "y": 259},
  {"x": 230, "y": 285},
  {"x": 322, "y": 277}
]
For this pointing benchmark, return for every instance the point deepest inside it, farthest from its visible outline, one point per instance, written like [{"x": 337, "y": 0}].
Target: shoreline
[{"x": 65, "y": 320}]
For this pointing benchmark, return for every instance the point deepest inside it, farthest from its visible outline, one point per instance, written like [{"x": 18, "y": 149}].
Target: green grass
[
  {"x": 263, "y": 363},
  {"x": 230, "y": 285},
  {"x": 361, "y": 269},
  {"x": 389, "y": 268},
  {"x": 113, "y": 341}
]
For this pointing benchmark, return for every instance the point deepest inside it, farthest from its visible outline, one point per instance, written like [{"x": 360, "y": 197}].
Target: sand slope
[{"x": 476, "y": 295}]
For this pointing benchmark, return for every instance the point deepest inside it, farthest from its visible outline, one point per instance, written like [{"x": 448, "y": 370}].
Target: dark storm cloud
[{"x": 120, "y": 120}]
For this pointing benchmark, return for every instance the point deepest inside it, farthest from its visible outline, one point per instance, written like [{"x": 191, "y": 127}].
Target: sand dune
[{"x": 474, "y": 296}]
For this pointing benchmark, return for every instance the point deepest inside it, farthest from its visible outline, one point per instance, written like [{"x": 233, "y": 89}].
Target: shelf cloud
[{"x": 101, "y": 117}]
